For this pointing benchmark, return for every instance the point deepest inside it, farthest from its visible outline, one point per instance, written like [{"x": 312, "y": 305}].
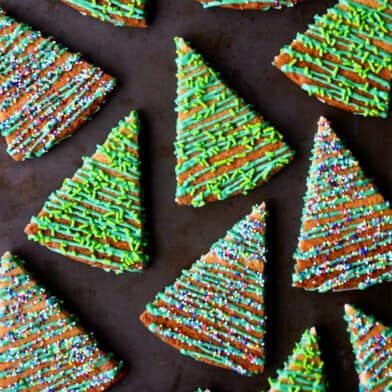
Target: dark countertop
[{"x": 241, "y": 46}]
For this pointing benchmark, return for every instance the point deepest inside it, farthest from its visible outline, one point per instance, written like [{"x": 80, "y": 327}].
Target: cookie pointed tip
[
  {"x": 349, "y": 309},
  {"x": 179, "y": 41},
  {"x": 323, "y": 122},
  {"x": 6, "y": 255},
  {"x": 132, "y": 117},
  {"x": 260, "y": 210},
  {"x": 313, "y": 331},
  {"x": 7, "y": 260},
  {"x": 182, "y": 45},
  {"x": 30, "y": 228}
]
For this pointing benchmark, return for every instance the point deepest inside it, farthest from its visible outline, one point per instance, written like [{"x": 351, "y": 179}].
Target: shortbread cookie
[
  {"x": 250, "y": 4},
  {"x": 46, "y": 92},
  {"x": 304, "y": 369},
  {"x": 223, "y": 147},
  {"x": 42, "y": 346},
  {"x": 345, "y": 240},
  {"x": 345, "y": 57},
  {"x": 214, "y": 312},
  {"x": 118, "y": 12},
  {"x": 97, "y": 216},
  {"x": 372, "y": 346}
]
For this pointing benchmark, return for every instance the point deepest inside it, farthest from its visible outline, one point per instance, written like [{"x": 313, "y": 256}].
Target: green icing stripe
[
  {"x": 36, "y": 126},
  {"x": 82, "y": 98},
  {"x": 221, "y": 303},
  {"x": 304, "y": 369},
  {"x": 335, "y": 177},
  {"x": 44, "y": 346},
  {"x": 267, "y": 4},
  {"x": 99, "y": 210},
  {"x": 113, "y": 11},
  {"x": 356, "y": 35},
  {"x": 216, "y": 122},
  {"x": 373, "y": 354}
]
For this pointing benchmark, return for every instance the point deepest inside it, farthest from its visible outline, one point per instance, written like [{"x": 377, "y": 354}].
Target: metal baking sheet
[{"x": 241, "y": 45}]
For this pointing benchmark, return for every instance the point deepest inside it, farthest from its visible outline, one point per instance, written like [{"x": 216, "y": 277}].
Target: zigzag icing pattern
[
  {"x": 304, "y": 369},
  {"x": 214, "y": 312},
  {"x": 118, "y": 12},
  {"x": 46, "y": 92},
  {"x": 345, "y": 57},
  {"x": 223, "y": 147},
  {"x": 96, "y": 217},
  {"x": 345, "y": 240},
  {"x": 372, "y": 345},
  {"x": 43, "y": 347}
]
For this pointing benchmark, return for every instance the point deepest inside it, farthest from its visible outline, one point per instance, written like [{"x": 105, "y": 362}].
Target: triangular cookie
[
  {"x": 250, "y": 4},
  {"x": 304, "y": 369},
  {"x": 118, "y": 12},
  {"x": 345, "y": 57},
  {"x": 214, "y": 312},
  {"x": 223, "y": 146},
  {"x": 46, "y": 92},
  {"x": 97, "y": 216},
  {"x": 345, "y": 240},
  {"x": 43, "y": 347},
  {"x": 372, "y": 346}
]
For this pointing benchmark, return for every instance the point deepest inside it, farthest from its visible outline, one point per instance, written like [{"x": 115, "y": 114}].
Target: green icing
[
  {"x": 113, "y": 11},
  {"x": 214, "y": 140},
  {"x": 372, "y": 349},
  {"x": 266, "y": 4},
  {"x": 28, "y": 72},
  {"x": 360, "y": 40},
  {"x": 97, "y": 215},
  {"x": 34, "y": 338},
  {"x": 221, "y": 302},
  {"x": 304, "y": 369},
  {"x": 335, "y": 179}
]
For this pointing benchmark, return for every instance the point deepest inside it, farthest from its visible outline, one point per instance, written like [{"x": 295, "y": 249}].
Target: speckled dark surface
[{"x": 241, "y": 46}]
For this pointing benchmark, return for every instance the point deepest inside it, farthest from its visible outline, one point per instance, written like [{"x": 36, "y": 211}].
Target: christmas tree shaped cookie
[
  {"x": 345, "y": 57},
  {"x": 46, "y": 92},
  {"x": 250, "y": 4},
  {"x": 96, "y": 217},
  {"x": 223, "y": 146},
  {"x": 345, "y": 240},
  {"x": 372, "y": 345},
  {"x": 303, "y": 370},
  {"x": 214, "y": 312},
  {"x": 118, "y": 12},
  {"x": 43, "y": 347}
]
